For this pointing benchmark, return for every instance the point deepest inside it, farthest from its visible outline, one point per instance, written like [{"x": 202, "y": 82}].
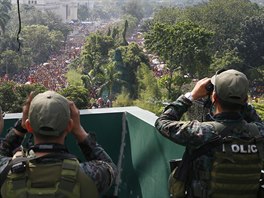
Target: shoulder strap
[
  {"x": 182, "y": 171},
  {"x": 222, "y": 130},
  {"x": 218, "y": 126},
  {"x": 259, "y": 139},
  {"x": 69, "y": 174},
  {"x": 253, "y": 129},
  {"x": 20, "y": 160},
  {"x": 6, "y": 170}
]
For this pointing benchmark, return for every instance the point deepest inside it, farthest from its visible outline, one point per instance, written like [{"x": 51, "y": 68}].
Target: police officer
[
  {"x": 231, "y": 168},
  {"x": 47, "y": 169}
]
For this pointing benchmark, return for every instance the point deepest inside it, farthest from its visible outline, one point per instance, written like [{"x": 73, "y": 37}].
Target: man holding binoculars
[
  {"x": 47, "y": 168},
  {"x": 224, "y": 156}
]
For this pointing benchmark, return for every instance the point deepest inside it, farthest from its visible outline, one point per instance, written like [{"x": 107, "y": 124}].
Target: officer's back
[
  {"x": 226, "y": 154},
  {"x": 47, "y": 169}
]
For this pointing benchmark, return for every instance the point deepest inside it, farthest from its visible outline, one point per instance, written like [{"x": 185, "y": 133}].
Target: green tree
[
  {"x": 78, "y": 94},
  {"x": 133, "y": 8},
  {"x": 41, "y": 42},
  {"x": 124, "y": 33},
  {"x": 111, "y": 77},
  {"x": 228, "y": 60},
  {"x": 13, "y": 95},
  {"x": 148, "y": 8},
  {"x": 172, "y": 83},
  {"x": 8, "y": 62},
  {"x": 23, "y": 90},
  {"x": 74, "y": 77},
  {"x": 217, "y": 16},
  {"x": 55, "y": 24},
  {"x": 18, "y": 59},
  {"x": 89, "y": 81},
  {"x": 220, "y": 17},
  {"x": 91, "y": 84},
  {"x": 149, "y": 91},
  {"x": 123, "y": 99},
  {"x": 5, "y": 7},
  {"x": 101, "y": 13},
  {"x": 33, "y": 16},
  {"x": 8, "y": 42},
  {"x": 167, "y": 15},
  {"x": 183, "y": 46},
  {"x": 95, "y": 53},
  {"x": 8, "y": 98},
  {"x": 132, "y": 23},
  {"x": 83, "y": 12},
  {"x": 148, "y": 85},
  {"x": 55, "y": 41},
  {"x": 260, "y": 109},
  {"x": 129, "y": 62},
  {"x": 250, "y": 44}
]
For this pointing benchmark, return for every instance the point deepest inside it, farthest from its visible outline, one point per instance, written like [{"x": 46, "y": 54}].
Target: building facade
[{"x": 65, "y": 9}]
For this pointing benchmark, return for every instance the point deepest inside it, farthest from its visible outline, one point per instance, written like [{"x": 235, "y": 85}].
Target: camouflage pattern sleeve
[
  {"x": 99, "y": 166},
  {"x": 8, "y": 146},
  {"x": 11, "y": 142},
  {"x": 249, "y": 113},
  {"x": 187, "y": 133}
]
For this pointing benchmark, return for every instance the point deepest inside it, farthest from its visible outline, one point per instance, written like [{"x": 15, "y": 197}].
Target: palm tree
[
  {"x": 111, "y": 76},
  {"x": 5, "y": 7}
]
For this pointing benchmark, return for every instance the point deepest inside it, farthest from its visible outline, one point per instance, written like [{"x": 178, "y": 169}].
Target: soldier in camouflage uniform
[
  {"x": 229, "y": 99},
  {"x": 50, "y": 117}
]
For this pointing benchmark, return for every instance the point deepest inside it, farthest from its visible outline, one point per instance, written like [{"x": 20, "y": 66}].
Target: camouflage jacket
[
  {"x": 98, "y": 165},
  {"x": 193, "y": 134}
]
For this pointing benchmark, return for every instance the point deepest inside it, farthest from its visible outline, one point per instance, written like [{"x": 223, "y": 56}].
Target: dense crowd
[{"x": 52, "y": 73}]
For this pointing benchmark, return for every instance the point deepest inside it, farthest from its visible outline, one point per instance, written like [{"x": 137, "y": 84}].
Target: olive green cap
[
  {"x": 49, "y": 113},
  {"x": 231, "y": 86}
]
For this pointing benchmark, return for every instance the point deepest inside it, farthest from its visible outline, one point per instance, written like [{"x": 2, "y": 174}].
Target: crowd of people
[
  {"x": 52, "y": 74},
  {"x": 230, "y": 116}
]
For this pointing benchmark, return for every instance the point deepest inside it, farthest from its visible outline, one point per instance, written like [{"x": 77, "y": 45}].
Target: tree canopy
[
  {"x": 5, "y": 7},
  {"x": 41, "y": 41},
  {"x": 182, "y": 46}
]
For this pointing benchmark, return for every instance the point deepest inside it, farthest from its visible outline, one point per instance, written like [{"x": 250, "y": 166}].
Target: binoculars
[{"x": 209, "y": 88}]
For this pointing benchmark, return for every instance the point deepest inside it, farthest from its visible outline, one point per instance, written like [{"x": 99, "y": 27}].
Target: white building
[{"x": 66, "y": 9}]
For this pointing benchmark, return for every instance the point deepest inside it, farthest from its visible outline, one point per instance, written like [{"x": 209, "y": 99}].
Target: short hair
[
  {"x": 46, "y": 138},
  {"x": 228, "y": 105}
]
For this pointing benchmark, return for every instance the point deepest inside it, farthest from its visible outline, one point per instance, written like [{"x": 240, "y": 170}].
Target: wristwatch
[{"x": 188, "y": 95}]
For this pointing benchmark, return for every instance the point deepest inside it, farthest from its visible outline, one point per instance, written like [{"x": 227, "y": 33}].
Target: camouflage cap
[
  {"x": 231, "y": 86},
  {"x": 49, "y": 113}
]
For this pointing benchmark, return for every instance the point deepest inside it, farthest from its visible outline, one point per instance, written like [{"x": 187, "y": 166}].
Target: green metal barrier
[{"x": 128, "y": 135}]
